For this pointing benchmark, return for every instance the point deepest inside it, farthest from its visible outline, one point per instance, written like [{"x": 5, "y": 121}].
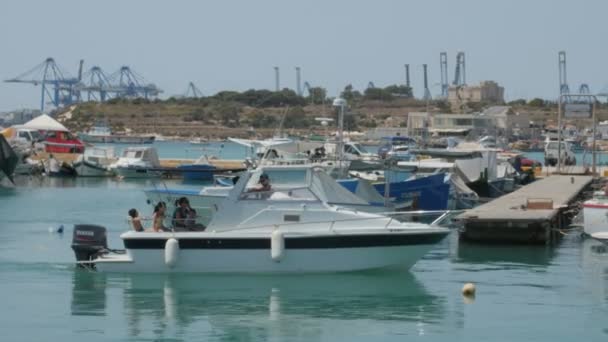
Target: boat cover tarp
[
  {"x": 328, "y": 190},
  {"x": 459, "y": 186},
  {"x": 298, "y": 146},
  {"x": 474, "y": 169},
  {"x": 45, "y": 123},
  {"x": 8, "y": 158},
  {"x": 363, "y": 189}
]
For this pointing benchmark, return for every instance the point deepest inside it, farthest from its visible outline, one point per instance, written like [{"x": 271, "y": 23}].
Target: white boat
[
  {"x": 137, "y": 162},
  {"x": 301, "y": 225},
  {"x": 198, "y": 141},
  {"x": 102, "y": 133},
  {"x": 595, "y": 215},
  {"x": 259, "y": 147},
  {"x": 96, "y": 162}
]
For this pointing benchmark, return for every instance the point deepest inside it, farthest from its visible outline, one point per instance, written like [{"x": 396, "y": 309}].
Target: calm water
[{"x": 524, "y": 293}]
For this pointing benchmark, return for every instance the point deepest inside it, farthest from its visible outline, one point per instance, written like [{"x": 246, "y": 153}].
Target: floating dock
[{"x": 528, "y": 215}]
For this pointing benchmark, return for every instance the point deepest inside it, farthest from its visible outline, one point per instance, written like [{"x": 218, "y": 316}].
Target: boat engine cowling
[{"x": 88, "y": 241}]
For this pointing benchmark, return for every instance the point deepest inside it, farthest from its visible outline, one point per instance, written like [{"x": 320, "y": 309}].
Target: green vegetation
[{"x": 232, "y": 113}]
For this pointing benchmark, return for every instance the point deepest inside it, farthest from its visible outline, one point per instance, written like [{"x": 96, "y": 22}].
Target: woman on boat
[
  {"x": 184, "y": 217},
  {"x": 159, "y": 217}
]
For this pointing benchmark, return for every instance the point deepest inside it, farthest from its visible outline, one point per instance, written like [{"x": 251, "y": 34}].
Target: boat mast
[{"x": 340, "y": 103}]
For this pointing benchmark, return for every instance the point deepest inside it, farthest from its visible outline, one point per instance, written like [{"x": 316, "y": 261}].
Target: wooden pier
[{"x": 528, "y": 215}]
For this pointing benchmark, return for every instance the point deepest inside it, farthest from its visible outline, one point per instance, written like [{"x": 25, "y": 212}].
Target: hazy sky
[{"x": 234, "y": 44}]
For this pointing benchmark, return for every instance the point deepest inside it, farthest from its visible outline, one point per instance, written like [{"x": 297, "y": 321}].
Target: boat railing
[{"x": 443, "y": 216}]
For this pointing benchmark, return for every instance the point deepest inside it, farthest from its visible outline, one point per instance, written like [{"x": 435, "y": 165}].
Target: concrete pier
[{"x": 528, "y": 215}]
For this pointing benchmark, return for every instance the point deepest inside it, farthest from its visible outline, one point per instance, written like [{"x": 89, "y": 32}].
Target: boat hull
[
  {"x": 85, "y": 169},
  {"x": 595, "y": 218},
  {"x": 136, "y": 172},
  {"x": 196, "y": 172},
  {"x": 301, "y": 255}
]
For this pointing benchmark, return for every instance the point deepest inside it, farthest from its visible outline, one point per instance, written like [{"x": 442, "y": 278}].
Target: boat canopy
[{"x": 45, "y": 123}]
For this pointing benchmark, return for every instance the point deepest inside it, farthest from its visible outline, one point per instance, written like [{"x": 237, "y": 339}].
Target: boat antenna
[{"x": 280, "y": 128}]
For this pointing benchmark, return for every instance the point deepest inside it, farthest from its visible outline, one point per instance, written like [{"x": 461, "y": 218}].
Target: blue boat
[
  {"x": 196, "y": 172},
  {"x": 200, "y": 170},
  {"x": 425, "y": 193}
]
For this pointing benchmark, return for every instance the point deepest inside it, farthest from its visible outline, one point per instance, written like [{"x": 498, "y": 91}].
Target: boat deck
[{"x": 525, "y": 215}]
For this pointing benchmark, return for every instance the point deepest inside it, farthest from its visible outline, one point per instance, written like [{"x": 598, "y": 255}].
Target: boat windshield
[
  {"x": 360, "y": 148},
  {"x": 294, "y": 194},
  {"x": 132, "y": 154},
  {"x": 279, "y": 185}
]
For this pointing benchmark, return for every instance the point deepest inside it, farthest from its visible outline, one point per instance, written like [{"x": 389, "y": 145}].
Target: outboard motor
[{"x": 88, "y": 241}]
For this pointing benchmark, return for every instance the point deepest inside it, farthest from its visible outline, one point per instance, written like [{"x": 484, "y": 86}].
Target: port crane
[
  {"x": 192, "y": 91},
  {"x": 129, "y": 84},
  {"x": 56, "y": 84},
  {"x": 61, "y": 89},
  {"x": 96, "y": 84},
  {"x": 460, "y": 72}
]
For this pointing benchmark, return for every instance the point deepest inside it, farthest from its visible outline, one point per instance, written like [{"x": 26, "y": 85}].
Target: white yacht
[
  {"x": 137, "y": 162},
  {"x": 301, "y": 225}
]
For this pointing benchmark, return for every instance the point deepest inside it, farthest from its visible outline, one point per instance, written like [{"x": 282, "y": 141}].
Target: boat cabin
[
  {"x": 138, "y": 157},
  {"x": 62, "y": 142},
  {"x": 297, "y": 194}
]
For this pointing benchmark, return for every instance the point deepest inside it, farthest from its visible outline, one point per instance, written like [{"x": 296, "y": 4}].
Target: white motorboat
[
  {"x": 102, "y": 133},
  {"x": 95, "y": 162},
  {"x": 137, "y": 162},
  {"x": 300, "y": 225},
  {"x": 595, "y": 215}
]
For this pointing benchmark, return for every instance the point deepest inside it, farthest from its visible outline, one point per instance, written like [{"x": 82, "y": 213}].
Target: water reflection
[
  {"x": 244, "y": 307},
  {"x": 532, "y": 255},
  {"x": 594, "y": 259},
  {"x": 88, "y": 294}
]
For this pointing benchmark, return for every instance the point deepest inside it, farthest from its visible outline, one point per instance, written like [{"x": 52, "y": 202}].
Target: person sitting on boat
[
  {"x": 263, "y": 184},
  {"x": 184, "y": 217},
  {"x": 159, "y": 217},
  {"x": 135, "y": 220}
]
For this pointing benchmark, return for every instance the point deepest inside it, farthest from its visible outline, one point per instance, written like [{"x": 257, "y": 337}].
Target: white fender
[
  {"x": 277, "y": 245},
  {"x": 171, "y": 252}
]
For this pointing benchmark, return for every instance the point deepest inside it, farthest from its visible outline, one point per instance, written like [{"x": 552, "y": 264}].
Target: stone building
[{"x": 486, "y": 92}]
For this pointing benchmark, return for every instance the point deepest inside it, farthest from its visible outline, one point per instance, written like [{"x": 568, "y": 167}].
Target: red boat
[{"x": 62, "y": 142}]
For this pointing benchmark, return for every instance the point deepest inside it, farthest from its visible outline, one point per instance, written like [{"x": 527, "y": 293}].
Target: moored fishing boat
[
  {"x": 138, "y": 162},
  {"x": 95, "y": 162}
]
